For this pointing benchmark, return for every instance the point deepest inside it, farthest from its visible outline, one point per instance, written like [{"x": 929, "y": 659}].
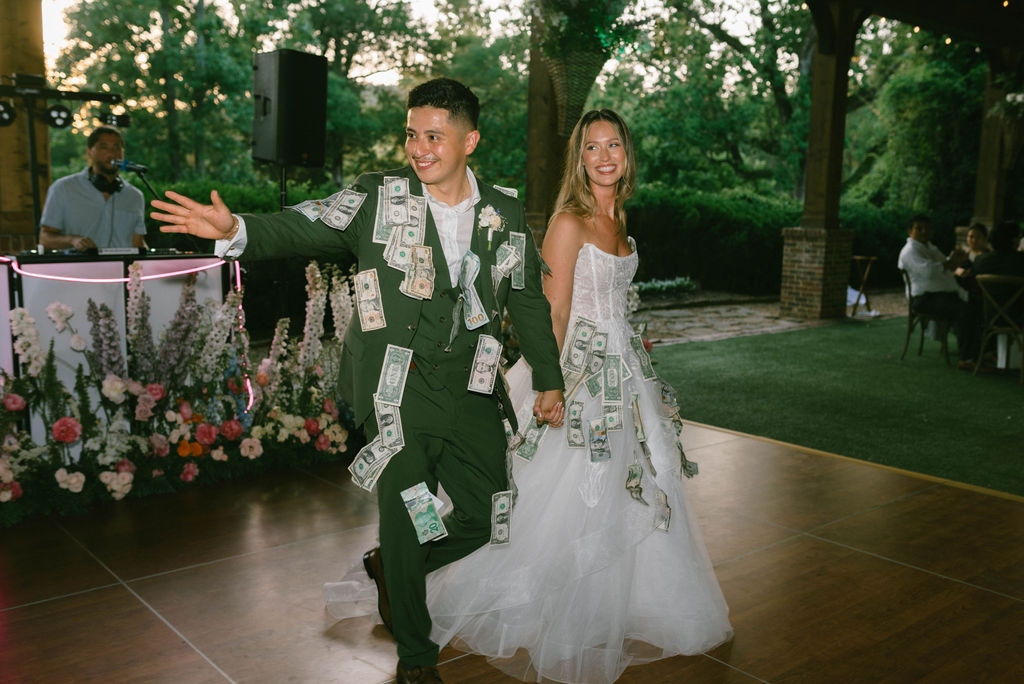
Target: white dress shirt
[{"x": 925, "y": 264}]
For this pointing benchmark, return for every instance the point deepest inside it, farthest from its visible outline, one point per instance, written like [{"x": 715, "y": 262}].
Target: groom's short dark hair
[{"x": 450, "y": 95}]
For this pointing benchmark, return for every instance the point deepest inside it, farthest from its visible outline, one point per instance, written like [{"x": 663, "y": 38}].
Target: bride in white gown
[{"x": 605, "y": 566}]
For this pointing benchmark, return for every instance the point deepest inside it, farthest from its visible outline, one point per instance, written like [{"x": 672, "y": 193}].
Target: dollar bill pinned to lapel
[
  {"x": 518, "y": 241},
  {"x": 343, "y": 209},
  {"x": 396, "y": 200},
  {"x": 369, "y": 304},
  {"x": 511, "y": 192}
]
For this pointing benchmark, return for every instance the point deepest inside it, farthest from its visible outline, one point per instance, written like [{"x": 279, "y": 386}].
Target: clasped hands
[{"x": 549, "y": 408}]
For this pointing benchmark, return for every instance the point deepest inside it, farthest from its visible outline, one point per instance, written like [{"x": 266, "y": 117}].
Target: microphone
[{"x": 129, "y": 166}]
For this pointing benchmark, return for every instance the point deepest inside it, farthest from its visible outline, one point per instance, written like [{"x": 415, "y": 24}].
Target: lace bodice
[{"x": 601, "y": 281}]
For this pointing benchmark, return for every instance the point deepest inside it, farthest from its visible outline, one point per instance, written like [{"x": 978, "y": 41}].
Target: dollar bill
[
  {"x": 595, "y": 384},
  {"x": 518, "y": 240},
  {"x": 646, "y": 367},
  {"x": 473, "y": 311},
  {"x": 312, "y": 209},
  {"x": 669, "y": 403},
  {"x": 577, "y": 346},
  {"x": 389, "y": 424},
  {"x": 613, "y": 415},
  {"x": 393, "y": 374},
  {"x": 501, "y": 515},
  {"x": 574, "y": 434},
  {"x": 369, "y": 463},
  {"x": 343, "y": 209},
  {"x": 638, "y": 422},
  {"x": 396, "y": 199},
  {"x": 398, "y": 251},
  {"x": 612, "y": 378},
  {"x": 634, "y": 476},
  {"x": 485, "y": 365},
  {"x": 381, "y": 228},
  {"x": 596, "y": 354},
  {"x": 368, "y": 301},
  {"x": 531, "y": 440},
  {"x": 624, "y": 371},
  {"x": 663, "y": 516},
  {"x": 420, "y": 504},
  {"x": 509, "y": 432},
  {"x": 599, "y": 449},
  {"x": 506, "y": 259},
  {"x": 419, "y": 279},
  {"x": 686, "y": 466}
]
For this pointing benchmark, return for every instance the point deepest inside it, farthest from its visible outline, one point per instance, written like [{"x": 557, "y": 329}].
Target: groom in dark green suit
[{"x": 433, "y": 310}]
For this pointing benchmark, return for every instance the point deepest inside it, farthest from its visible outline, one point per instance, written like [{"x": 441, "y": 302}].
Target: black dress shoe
[
  {"x": 375, "y": 569},
  {"x": 424, "y": 674}
]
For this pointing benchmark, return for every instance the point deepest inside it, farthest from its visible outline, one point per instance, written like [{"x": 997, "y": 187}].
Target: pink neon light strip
[{"x": 71, "y": 279}]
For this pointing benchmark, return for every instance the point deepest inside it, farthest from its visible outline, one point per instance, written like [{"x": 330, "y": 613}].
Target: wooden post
[
  {"x": 816, "y": 255},
  {"x": 996, "y": 155},
  {"x": 21, "y": 52}
]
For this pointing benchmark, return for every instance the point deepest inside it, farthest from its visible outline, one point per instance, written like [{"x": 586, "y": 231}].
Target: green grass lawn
[{"x": 842, "y": 388}]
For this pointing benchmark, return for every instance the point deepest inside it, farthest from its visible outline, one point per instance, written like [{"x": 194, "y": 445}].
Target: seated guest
[
  {"x": 94, "y": 208},
  {"x": 933, "y": 287},
  {"x": 1004, "y": 259},
  {"x": 977, "y": 244}
]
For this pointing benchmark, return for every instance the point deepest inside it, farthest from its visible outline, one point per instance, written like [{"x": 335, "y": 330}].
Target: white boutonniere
[{"x": 490, "y": 218}]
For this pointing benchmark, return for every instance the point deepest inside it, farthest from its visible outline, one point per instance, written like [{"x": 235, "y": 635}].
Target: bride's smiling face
[{"x": 604, "y": 158}]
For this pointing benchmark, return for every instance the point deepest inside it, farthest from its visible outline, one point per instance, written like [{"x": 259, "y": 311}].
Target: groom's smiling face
[{"x": 437, "y": 148}]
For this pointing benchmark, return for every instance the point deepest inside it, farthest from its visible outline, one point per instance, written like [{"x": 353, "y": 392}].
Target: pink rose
[
  {"x": 157, "y": 472},
  {"x": 125, "y": 466},
  {"x": 206, "y": 434},
  {"x": 67, "y": 430},
  {"x": 160, "y": 445},
  {"x": 233, "y": 386},
  {"x": 156, "y": 391},
  {"x": 323, "y": 442},
  {"x": 135, "y": 387},
  {"x": 312, "y": 427},
  {"x": 14, "y": 402},
  {"x": 186, "y": 411},
  {"x": 189, "y": 472},
  {"x": 231, "y": 429},
  {"x": 218, "y": 454},
  {"x": 330, "y": 408},
  {"x": 144, "y": 409}
]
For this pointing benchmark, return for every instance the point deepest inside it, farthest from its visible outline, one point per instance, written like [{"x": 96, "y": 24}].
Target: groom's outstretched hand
[
  {"x": 549, "y": 408},
  {"x": 184, "y": 215}
]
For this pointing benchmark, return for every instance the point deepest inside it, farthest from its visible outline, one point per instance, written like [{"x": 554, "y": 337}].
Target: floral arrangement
[
  {"x": 186, "y": 409},
  {"x": 490, "y": 218}
]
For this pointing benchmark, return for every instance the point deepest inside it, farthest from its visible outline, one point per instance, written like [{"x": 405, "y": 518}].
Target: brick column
[{"x": 815, "y": 271}]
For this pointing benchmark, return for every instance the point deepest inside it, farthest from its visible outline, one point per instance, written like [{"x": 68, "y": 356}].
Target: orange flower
[
  {"x": 196, "y": 449},
  {"x": 197, "y": 418},
  {"x": 183, "y": 448}
]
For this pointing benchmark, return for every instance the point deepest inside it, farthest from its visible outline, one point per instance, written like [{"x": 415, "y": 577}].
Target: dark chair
[
  {"x": 916, "y": 319},
  {"x": 1003, "y": 301}
]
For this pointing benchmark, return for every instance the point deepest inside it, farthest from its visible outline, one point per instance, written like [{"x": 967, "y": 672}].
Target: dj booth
[{"x": 34, "y": 281}]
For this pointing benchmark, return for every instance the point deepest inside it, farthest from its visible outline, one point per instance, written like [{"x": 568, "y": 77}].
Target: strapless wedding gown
[{"x": 588, "y": 584}]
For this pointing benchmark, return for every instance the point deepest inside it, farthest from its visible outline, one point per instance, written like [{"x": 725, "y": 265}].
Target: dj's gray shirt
[{"x": 75, "y": 207}]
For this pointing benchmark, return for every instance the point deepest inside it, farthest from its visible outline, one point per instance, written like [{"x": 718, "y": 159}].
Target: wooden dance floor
[{"x": 834, "y": 570}]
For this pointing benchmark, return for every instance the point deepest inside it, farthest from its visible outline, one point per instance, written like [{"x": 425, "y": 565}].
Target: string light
[{"x": 78, "y": 279}]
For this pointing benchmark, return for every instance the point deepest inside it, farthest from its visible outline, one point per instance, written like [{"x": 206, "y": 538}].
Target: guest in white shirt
[{"x": 933, "y": 286}]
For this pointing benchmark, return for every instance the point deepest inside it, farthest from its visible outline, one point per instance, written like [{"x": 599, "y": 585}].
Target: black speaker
[{"x": 290, "y": 113}]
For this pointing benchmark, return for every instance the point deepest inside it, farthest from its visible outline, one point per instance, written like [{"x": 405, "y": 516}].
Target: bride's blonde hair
[{"x": 574, "y": 195}]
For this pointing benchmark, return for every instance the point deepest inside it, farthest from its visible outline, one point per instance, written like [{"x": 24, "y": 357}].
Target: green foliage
[{"x": 661, "y": 288}]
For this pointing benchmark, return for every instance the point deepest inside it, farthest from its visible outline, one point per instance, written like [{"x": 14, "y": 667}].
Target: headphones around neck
[{"x": 104, "y": 184}]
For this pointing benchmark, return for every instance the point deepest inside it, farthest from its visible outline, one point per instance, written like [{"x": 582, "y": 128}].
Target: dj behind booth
[{"x": 95, "y": 208}]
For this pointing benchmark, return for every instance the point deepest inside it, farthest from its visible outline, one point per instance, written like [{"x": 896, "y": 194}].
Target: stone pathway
[{"x": 712, "y": 316}]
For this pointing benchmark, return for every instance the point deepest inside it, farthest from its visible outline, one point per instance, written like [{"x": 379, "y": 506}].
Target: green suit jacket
[{"x": 423, "y": 325}]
